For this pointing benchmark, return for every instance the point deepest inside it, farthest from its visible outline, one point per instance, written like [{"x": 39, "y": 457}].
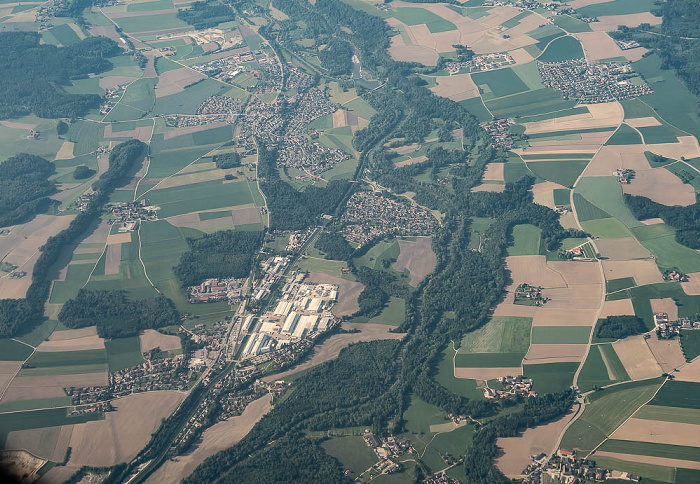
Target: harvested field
[
  {"x": 643, "y": 122},
  {"x": 174, "y": 81},
  {"x": 507, "y": 308},
  {"x": 123, "y": 238},
  {"x": 667, "y": 352},
  {"x": 100, "y": 234},
  {"x": 340, "y": 118},
  {"x": 599, "y": 45},
  {"x": 8, "y": 370},
  {"x": 690, "y": 372},
  {"x": 48, "y": 443},
  {"x": 84, "y": 343},
  {"x": 643, "y": 271},
  {"x": 608, "y": 23},
  {"x": 622, "y": 249},
  {"x": 457, "y": 87},
  {"x": 582, "y": 296},
  {"x": 601, "y": 115},
  {"x": 533, "y": 269},
  {"x": 494, "y": 172},
  {"x": 489, "y": 187},
  {"x": 330, "y": 348},
  {"x": 348, "y": 293},
  {"x": 517, "y": 450},
  {"x": 612, "y": 157},
  {"x": 244, "y": 216},
  {"x": 487, "y": 373},
  {"x": 73, "y": 333},
  {"x": 220, "y": 436},
  {"x": 687, "y": 147},
  {"x": 110, "y": 82},
  {"x": 151, "y": 338},
  {"x": 648, "y": 459},
  {"x": 673, "y": 433},
  {"x": 58, "y": 475},
  {"x": 546, "y": 316},
  {"x": 661, "y": 186},
  {"x": 142, "y": 132},
  {"x": 66, "y": 151},
  {"x": 112, "y": 259},
  {"x": 549, "y": 353},
  {"x": 621, "y": 307},
  {"x": 123, "y": 433},
  {"x": 411, "y": 161},
  {"x": 37, "y": 387},
  {"x": 575, "y": 273},
  {"x": 692, "y": 286},
  {"x": 652, "y": 221},
  {"x": 666, "y": 305},
  {"x": 18, "y": 125},
  {"x": 418, "y": 257},
  {"x": 637, "y": 358},
  {"x": 414, "y": 53}
]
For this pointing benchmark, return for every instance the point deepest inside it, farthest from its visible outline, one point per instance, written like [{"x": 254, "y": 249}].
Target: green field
[
  {"x": 476, "y": 107},
  {"x": 613, "y": 285},
  {"x": 146, "y": 6},
  {"x": 500, "y": 82},
  {"x": 669, "y": 414},
  {"x": 606, "y": 228},
  {"x": 444, "y": 375},
  {"x": 393, "y": 314},
  {"x": 525, "y": 241},
  {"x": 34, "y": 404},
  {"x": 416, "y": 16},
  {"x": 187, "y": 101},
  {"x": 374, "y": 258},
  {"x": 147, "y": 23},
  {"x": 550, "y": 377},
  {"x": 658, "y": 134},
  {"x": 562, "y": 49},
  {"x": 606, "y": 411},
  {"x": 682, "y": 394},
  {"x": 571, "y": 24},
  {"x": 45, "y": 359},
  {"x": 352, "y": 452},
  {"x": 515, "y": 169},
  {"x": 650, "y": 473},
  {"x": 502, "y": 334},
  {"x": 651, "y": 448},
  {"x": 648, "y": 232},
  {"x": 602, "y": 367},
  {"x": 11, "y": 350},
  {"x": 86, "y": 136},
  {"x": 560, "y": 334},
  {"x": 617, "y": 7},
  {"x": 419, "y": 416},
  {"x": 690, "y": 343},
  {"x": 607, "y": 193},
  {"x": 65, "y": 34},
  {"x": 670, "y": 254},
  {"x": 123, "y": 353},
  {"x": 199, "y": 196},
  {"x": 562, "y": 172},
  {"x": 530, "y": 103},
  {"x": 625, "y": 135}
]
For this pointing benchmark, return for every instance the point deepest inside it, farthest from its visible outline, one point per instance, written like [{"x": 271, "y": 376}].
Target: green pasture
[
  {"x": 500, "y": 82},
  {"x": 670, "y": 254},
  {"x": 65, "y": 35},
  {"x": 625, "y": 135},
  {"x": 550, "y": 377},
  {"x": 86, "y": 135},
  {"x": 602, "y": 367},
  {"x": 11, "y": 350},
  {"x": 187, "y": 101},
  {"x": 419, "y": 416},
  {"x": 669, "y": 414},
  {"x": 525, "y": 241},
  {"x": 690, "y": 343},
  {"x": 606, "y": 228},
  {"x": 37, "y": 333},
  {"x": 652, "y": 448},
  {"x": 476, "y": 107},
  {"x": 658, "y": 134},
  {"x": 607, "y": 193},
  {"x": 123, "y": 353},
  {"x": 651, "y": 473},
  {"x": 168, "y": 162},
  {"x": 554, "y": 115},
  {"x": 685, "y": 173},
  {"x": 675, "y": 393},
  {"x": 612, "y": 285},
  {"x": 148, "y": 6},
  {"x": 571, "y": 24},
  {"x": 501, "y": 334},
  {"x": 352, "y": 452},
  {"x": 13, "y": 140},
  {"x": 76, "y": 277},
  {"x": 330, "y": 267},
  {"x": 393, "y": 314},
  {"x": 563, "y": 172},
  {"x": 445, "y": 376},
  {"x": 489, "y": 360},
  {"x": 149, "y": 23},
  {"x": 515, "y": 169},
  {"x": 586, "y": 211},
  {"x": 416, "y": 16},
  {"x": 360, "y": 107},
  {"x": 649, "y": 232},
  {"x": 560, "y": 334},
  {"x": 529, "y": 103},
  {"x": 36, "y": 419},
  {"x": 477, "y": 228},
  {"x": 33, "y": 404},
  {"x": 199, "y": 196},
  {"x": 562, "y": 49},
  {"x": 617, "y": 7},
  {"x": 56, "y": 359},
  {"x": 607, "y": 410}
]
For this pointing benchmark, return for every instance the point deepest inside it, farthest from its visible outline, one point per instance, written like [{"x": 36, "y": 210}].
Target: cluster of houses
[
  {"x": 130, "y": 214},
  {"x": 111, "y": 98},
  {"x": 624, "y": 175},
  {"x": 499, "y": 130},
  {"x": 593, "y": 83},
  {"x": 297, "y": 239},
  {"x": 667, "y": 329},
  {"x": 226, "y": 69},
  {"x": 512, "y": 385},
  {"x": 387, "y": 449},
  {"x": 479, "y": 63},
  {"x": 213, "y": 290},
  {"x": 369, "y": 215},
  {"x": 575, "y": 253},
  {"x": 91, "y": 408},
  {"x": 528, "y": 295},
  {"x": 675, "y": 276},
  {"x": 565, "y": 468}
]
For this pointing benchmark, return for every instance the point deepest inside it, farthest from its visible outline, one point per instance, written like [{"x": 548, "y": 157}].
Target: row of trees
[{"x": 25, "y": 189}]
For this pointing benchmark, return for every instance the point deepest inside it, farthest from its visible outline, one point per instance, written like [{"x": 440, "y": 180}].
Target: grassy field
[
  {"x": 625, "y": 135},
  {"x": 147, "y": 23},
  {"x": 65, "y": 34},
  {"x": 381, "y": 251},
  {"x": 562, "y": 49},
  {"x": 393, "y": 314},
  {"x": 352, "y": 452},
  {"x": 607, "y": 193},
  {"x": 690, "y": 343},
  {"x": 562, "y": 172},
  {"x": 416, "y": 16},
  {"x": 444, "y": 375},
  {"x": 187, "y": 101},
  {"x": 34, "y": 404},
  {"x": 502, "y": 334},
  {"x": 551, "y": 377},
  {"x": 45, "y": 359},
  {"x": 606, "y": 411},
  {"x": 652, "y": 448},
  {"x": 488, "y": 360},
  {"x": 648, "y": 232},
  {"x": 613, "y": 285},
  {"x": 670, "y": 254},
  {"x": 586, "y": 210},
  {"x": 682, "y": 394},
  {"x": 526, "y": 240},
  {"x": 530, "y": 103},
  {"x": 13, "y": 351},
  {"x": 40, "y": 418},
  {"x": 500, "y": 82},
  {"x": 196, "y": 197},
  {"x": 515, "y": 169},
  {"x": 617, "y": 7},
  {"x": 657, "y": 134},
  {"x": 560, "y": 334},
  {"x": 595, "y": 372},
  {"x": 477, "y": 108},
  {"x": 606, "y": 228},
  {"x": 571, "y": 24},
  {"x": 147, "y": 6},
  {"x": 647, "y": 471},
  {"x": 669, "y": 414},
  {"x": 419, "y": 416},
  {"x": 123, "y": 353}
]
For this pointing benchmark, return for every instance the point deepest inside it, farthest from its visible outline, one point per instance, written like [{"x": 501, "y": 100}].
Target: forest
[
  {"x": 336, "y": 57},
  {"x": 686, "y": 220},
  {"x": 223, "y": 254},
  {"x": 206, "y": 14},
  {"x": 31, "y": 74},
  {"x": 25, "y": 188},
  {"x": 618, "y": 327},
  {"x": 227, "y": 160},
  {"x": 115, "y": 315},
  {"x": 334, "y": 246}
]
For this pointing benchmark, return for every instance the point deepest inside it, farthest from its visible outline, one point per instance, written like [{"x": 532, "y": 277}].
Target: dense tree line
[
  {"x": 31, "y": 74},
  {"x": 223, "y": 254},
  {"x": 18, "y": 316},
  {"x": 337, "y": 57},
  {"x": 618, "y": 327},
  {"x": 290, "y": 209},
  {"x": 115, "y": 315},
  {"x": 334, "y": 246},
  {"x": 82, "y": 172},
  {"x": 686, "y": 220},
  {"x": 206, "y": 14},
  {"x": 25, "y": 187},
  {"x": 227, "y": 160}
]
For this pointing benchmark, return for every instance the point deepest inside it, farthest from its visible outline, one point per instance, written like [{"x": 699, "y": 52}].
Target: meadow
[
  {"x": 560, "y": 334},
  {"x": 11, "y": 350},
  {"x": 416, "y": 16},
  {"x": 123, "y": 353},
  {"x": 525, "y": 240},
  {"x": 352, "y": 452},
  {"x": 550, "y": 377},
  {"x": 563, "y": 172},
  {"x": 39, "y": 419},
  {"x": 601, "y": 363},
  {"x": 562, "y": 49},
  {"x": 681, "y": 394}
]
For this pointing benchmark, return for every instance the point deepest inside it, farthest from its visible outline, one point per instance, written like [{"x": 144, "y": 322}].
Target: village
[
  {"x": 479, "y": 63},
  {"x": 593, "y": 83},
  {"x": 565, "y": 467},
  {"x": 499, "y": 129},
  {"x": 369, "y": 216},
  {"x": 527, "y": 295},
  {"x": 512, "y": 386},
  {"x": 130, "y": 214}
]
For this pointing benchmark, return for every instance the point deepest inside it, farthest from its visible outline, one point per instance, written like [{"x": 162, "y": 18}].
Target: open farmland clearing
[
  {"x": 637, "y": 358},
  {"x": 151, "y": 338},
  {"x": 657, "y": 431},
  {"x": 661, "y": 186},
  {"x": 417, "y": 257}
]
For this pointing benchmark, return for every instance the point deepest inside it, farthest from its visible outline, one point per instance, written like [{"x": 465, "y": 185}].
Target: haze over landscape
[{"x": 334, "y": 241}]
